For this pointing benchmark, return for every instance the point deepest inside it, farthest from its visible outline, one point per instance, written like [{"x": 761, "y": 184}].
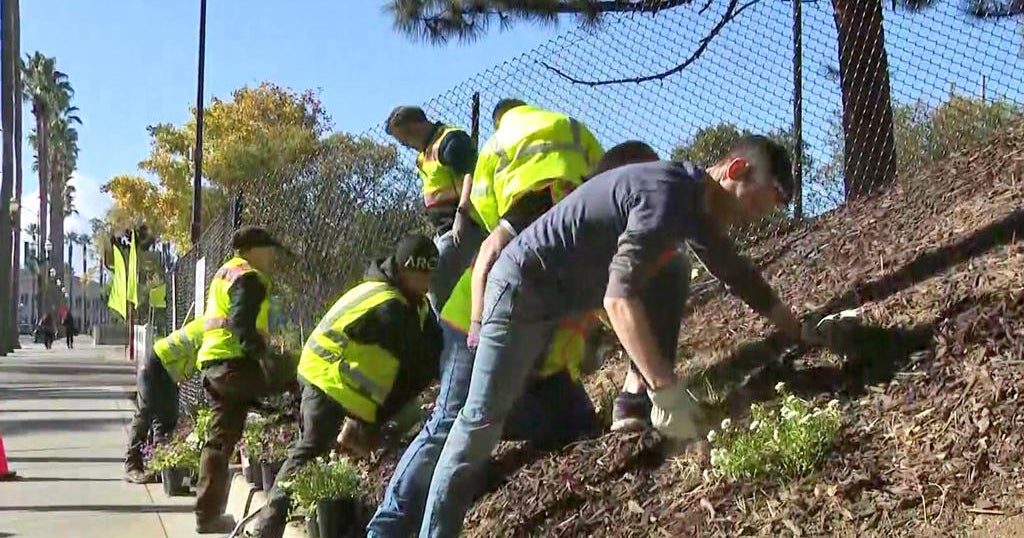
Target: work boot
[
  {"x": 631, "y": 412},
  {"x": 221, "y": 524},
  {"x": 136, "y": 475}
]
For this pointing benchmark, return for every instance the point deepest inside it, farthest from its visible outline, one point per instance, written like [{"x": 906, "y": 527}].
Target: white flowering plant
[
  {"x": 792, "y": 440},
  {"x": 322, "y": 479}
]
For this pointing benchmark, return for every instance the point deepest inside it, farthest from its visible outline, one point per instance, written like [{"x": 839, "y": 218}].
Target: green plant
[
  {"x": 790, "y": 441},
  {"x": 175, "y": 454},
  {"x": 252, "y": 437},
  {"x": 202, "y": 424},
  {"x": 322, "y": 479},
  {"x": 274, "y": 440}
]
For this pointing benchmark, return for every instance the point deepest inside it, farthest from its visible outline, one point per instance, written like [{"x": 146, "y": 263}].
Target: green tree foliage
[
  {"x": 925, "y": 134},
  {"x": 252, "y": 136}
]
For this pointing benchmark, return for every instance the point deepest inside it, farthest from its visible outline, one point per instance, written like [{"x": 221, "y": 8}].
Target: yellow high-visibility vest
[
  {"x": 178, "y": 350},
  {"x": 440, "y": 183},
  {"x": 531, "y": 149},
  {"x": 357, "y": 375},
  {"x": 219, "y": 343}
]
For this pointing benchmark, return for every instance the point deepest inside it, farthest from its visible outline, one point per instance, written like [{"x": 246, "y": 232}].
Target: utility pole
[
  {"x": 798, "y": 105},
  {"x": 197, "y": 193}
]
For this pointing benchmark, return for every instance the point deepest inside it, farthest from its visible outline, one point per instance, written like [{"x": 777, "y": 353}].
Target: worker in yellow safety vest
[
  {"x": 374, "y": 351},
  {"x": 172, "y": 361},
  {"x": 534, "y": 159},
  {"x": 445, "y": 161},
  {"x": 236, "y": 363}
]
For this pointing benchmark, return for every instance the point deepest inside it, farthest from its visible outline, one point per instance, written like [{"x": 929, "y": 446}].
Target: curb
[{"x": 243, "y": 499}]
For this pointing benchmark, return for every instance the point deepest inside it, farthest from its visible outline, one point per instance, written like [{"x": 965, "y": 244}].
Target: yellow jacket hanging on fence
[
  {"x": 531, "y": 149},
  {"x": 373, "y": 351},
  {"x": 178, "y": 350},
  {"x": 569, "y": 344},
  {"x": 219, "y": 343},
  {"x": 440, "y": 184}
]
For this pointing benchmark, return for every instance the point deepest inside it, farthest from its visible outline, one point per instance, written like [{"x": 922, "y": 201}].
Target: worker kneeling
[
  {"x": 172, "y": 361},
  {"x": 374, "y": 351}
]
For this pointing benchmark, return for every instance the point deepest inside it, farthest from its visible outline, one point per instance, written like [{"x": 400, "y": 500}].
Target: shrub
[
  {"x": 176, "y": 454},
  {"x": 787, "y": 442},
  {"x": 322, "y": 479}
]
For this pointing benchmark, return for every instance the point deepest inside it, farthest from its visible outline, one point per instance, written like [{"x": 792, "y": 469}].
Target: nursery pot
[
  {"x": 269, "y": 473},
  {"x": 339, "y": 518},
  {"x": 173, "y": 481},
  {"x": 312, "y": 528},
  {"x": 257, "y": 474}
]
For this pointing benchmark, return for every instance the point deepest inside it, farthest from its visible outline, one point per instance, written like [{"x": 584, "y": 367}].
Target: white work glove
[{"x": 673, "y": 412}]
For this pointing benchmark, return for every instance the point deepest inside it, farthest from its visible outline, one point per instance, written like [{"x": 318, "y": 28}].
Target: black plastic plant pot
[
  {"x": 269, "y": 473},
  {"x": 257, "y": 474},
  {"x": 312, "y": 527},
  {"x": 339, "y": 518},
  {"x": 174, "y": 482}
]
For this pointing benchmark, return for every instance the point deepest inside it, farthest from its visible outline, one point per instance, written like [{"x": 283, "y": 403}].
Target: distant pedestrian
[
  {"x": 69, "y": 329},
  {"x": 46, "y": 330}
]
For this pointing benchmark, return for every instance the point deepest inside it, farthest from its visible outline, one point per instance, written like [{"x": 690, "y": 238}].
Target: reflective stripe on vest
[
  {"x": 532, "y": 149},
  {"x": 356, "y": 375},
  {"x": 219, "y": 343},
  {"x": 440, "y": 184}
]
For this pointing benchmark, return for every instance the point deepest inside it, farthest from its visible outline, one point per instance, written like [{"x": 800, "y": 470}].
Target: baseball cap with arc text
[{"x": 416, "y": 252}]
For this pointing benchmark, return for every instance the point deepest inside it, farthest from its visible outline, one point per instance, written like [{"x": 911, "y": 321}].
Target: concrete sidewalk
[{"x": 64, "y": 417}]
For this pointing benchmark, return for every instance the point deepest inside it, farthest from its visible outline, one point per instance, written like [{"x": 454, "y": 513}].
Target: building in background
[{"x": 88, "y": 294}]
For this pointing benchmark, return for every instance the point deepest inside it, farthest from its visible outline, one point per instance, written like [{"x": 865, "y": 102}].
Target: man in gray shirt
[{"x": 612, "y": 242}]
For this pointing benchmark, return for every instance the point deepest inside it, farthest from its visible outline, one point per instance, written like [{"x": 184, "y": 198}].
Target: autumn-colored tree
[{"x": 246, "y": 139}]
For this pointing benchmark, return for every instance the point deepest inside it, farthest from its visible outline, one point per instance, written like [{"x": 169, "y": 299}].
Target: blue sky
[{"x": 133, "y": 63}]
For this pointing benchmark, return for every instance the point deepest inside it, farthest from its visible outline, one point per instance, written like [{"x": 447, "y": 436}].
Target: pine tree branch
[
  {"x": 992, "y": 9},
  {"x": 730, "y": 13}
]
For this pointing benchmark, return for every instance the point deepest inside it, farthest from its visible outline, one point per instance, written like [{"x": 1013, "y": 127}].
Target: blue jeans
[
  {"x": 507, "y": 353},
  {"x": 554, "y": 412},
  {"x": 452, "y": 261}
]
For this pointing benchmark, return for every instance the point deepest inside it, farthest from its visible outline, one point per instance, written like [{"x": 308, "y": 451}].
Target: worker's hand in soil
[
  {"x": 354, "y": 440},
  {"x": 786, "y": 321},
  {"x": 673, "y": 412}
]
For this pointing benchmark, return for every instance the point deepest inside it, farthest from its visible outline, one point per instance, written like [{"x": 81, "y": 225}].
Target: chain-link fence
[
  {"x": 213, "y": 249},
  {"x": 861, "y": 102}
]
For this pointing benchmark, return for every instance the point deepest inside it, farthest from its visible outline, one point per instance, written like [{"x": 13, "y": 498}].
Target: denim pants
[
  {"x": 506, "y": 354},
  {"x": 553, "y": 412},
  {"x": 452, "y": 261},
  {"x": 514, "y": 332}
]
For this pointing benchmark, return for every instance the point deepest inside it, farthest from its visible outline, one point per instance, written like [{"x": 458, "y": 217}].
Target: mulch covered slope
[{"x": 930, "y": 378}]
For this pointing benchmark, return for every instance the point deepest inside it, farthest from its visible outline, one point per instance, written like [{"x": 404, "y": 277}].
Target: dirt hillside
[{"x": 930, "y": 381}]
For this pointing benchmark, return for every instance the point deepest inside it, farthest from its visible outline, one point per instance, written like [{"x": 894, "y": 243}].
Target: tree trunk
[
  {"x": 869, "y": 144},
  {"x": 18, "y": 169},
  {"x": 57, "y": 228},
  {"x": 42, "y": 147},
  {"x": 6, "y": 174}
]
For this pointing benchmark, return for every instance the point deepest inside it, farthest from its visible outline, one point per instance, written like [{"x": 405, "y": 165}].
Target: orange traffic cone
[{"x": 5, "y": 473}]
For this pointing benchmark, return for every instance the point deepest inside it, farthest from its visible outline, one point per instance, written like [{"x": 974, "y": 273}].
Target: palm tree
[
  {"x": 63, "y": 160},
  {"x": 15, "y": 48},
  {"x": 6, "y": 174},
  {"x": 49, "y": 91}
]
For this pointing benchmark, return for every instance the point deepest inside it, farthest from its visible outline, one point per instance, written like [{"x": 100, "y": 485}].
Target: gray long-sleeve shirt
[{"x": 607, "y": 239}]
